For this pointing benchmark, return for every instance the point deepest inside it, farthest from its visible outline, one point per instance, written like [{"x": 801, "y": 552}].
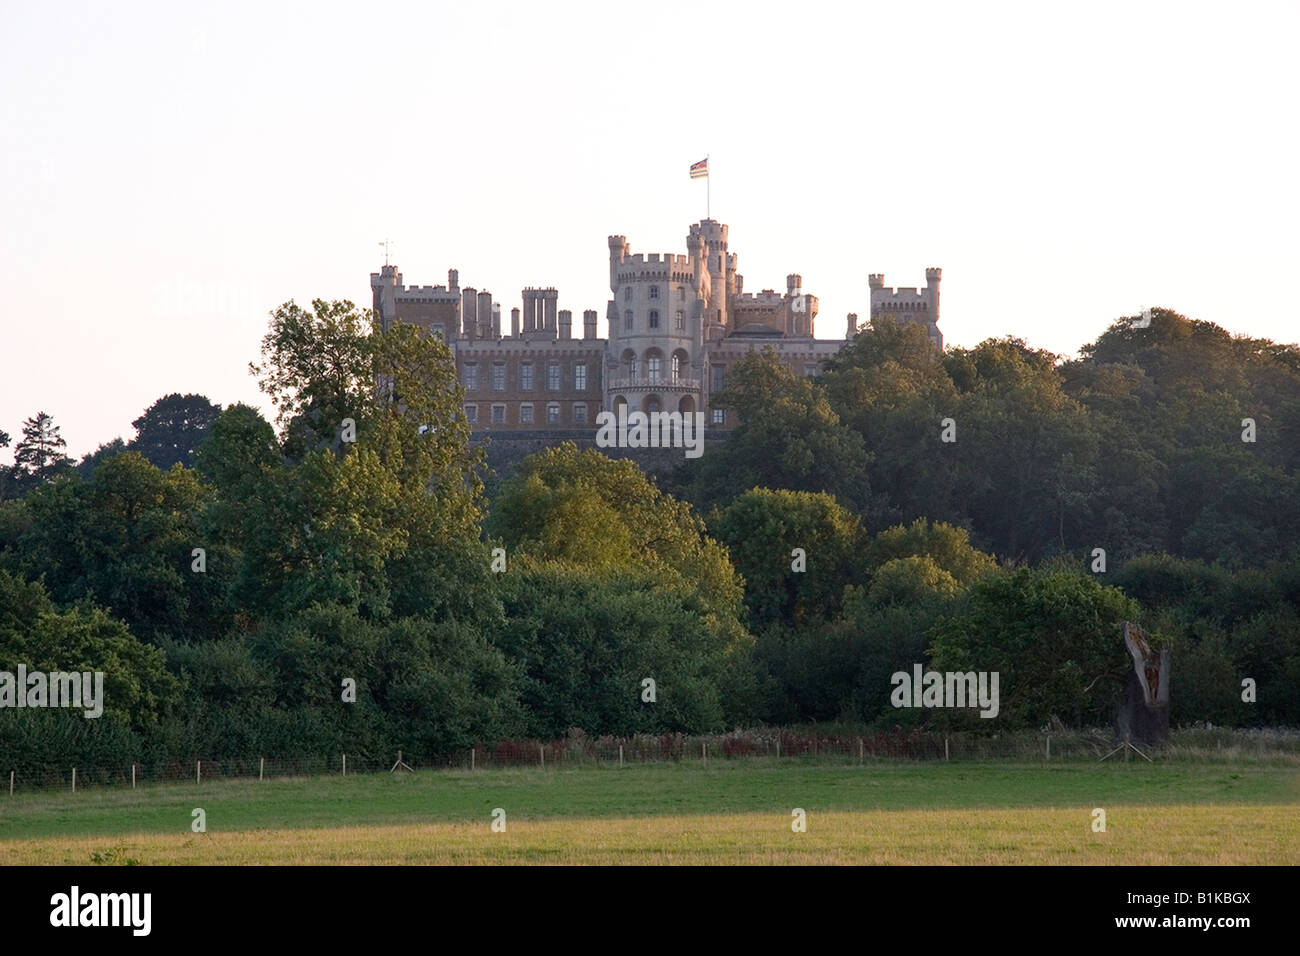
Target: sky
[{"x": 170, "y": 173}]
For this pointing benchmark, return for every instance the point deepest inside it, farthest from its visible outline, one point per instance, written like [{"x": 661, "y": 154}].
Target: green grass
[{"x": 732, "y": 788}]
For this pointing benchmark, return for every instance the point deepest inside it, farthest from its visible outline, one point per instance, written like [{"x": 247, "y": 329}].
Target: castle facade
[{"x": 676, "y": 325}]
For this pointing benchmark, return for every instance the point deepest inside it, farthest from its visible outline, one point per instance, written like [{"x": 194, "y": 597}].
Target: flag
[{"x": 700, "y": 170}]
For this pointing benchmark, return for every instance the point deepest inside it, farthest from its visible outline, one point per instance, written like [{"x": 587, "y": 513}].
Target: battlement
[
  {"x": 645, "y": 259},
  {"x": 933, "y": 274},
  {"x": 766, "y": 297}
]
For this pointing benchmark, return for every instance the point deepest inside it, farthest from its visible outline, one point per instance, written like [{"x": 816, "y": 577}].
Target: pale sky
[{"x": 171, "y": 174}]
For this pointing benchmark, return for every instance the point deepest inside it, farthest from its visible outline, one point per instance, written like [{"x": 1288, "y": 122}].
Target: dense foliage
[{"x": 986, "y": 509}]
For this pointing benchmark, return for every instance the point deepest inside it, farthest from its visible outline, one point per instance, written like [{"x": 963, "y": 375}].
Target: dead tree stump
[{"x": 1143, "y": 715}]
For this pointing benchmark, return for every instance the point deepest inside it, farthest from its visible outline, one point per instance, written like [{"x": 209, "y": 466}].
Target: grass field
[{"x": 727, "y": 812}]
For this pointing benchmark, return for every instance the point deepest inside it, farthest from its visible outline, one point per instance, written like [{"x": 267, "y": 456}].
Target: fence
[{"x": 579, "y": 750}]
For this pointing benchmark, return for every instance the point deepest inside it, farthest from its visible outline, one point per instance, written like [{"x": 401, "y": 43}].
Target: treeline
[{"x": 234, "y": 578}]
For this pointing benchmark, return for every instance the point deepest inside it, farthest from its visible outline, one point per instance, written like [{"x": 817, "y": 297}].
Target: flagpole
[{"x": 708, "y": 190}]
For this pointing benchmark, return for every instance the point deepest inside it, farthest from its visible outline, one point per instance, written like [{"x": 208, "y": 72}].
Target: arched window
[
  {"x": 653, "y": 367},
  {"x": 627, "y": 319},
  {"x": 676, "y": 367}
]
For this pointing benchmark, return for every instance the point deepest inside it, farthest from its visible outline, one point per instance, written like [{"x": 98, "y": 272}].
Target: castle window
[
  {"x": 498, "y": 376},
  {"x": 526, "y": 377},
  {"x": 627, "y": 294},
  {"x": 719, "y": 416},
  {"x": 681, "y": 293},
  {"x": 471, "y": 413},
  {"x": 470, "y": 375},
  {"x": 719, "y": 378},
  {"x": 498, "y": 414},
  {"x": 526, "y": 414},
  {"x": 552, "y": 414},
  {"x": 652, "y": 367},
  {"x": 654, "y": 318},
  {"x": 654, "y": 292},
  {"x": 676, "y": 367},
  {"x": 579, "y": 414},
  {"x": 553, "y": 377},
  {"x": 580, "y": 377},
  {"x": 631, "y": 366},
  {"x": 680, "y": 323},
  {"x": 627, "y": 319}
]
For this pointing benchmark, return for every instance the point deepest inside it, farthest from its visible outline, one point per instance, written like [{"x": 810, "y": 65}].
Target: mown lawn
[{"x": 727, "y": 812}]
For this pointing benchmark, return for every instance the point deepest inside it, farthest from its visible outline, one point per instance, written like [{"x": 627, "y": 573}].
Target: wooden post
[
  {"x": 704, "y": 752},
  {"x": 778, "y": 747},
  {"x": 11, "y": 783},
  {"x": 541, "y": 752},
  {"x": 472, "y": 757},
  {"x": 945, "y": 748},
  {"x": 620, "y": 755},
  {"x": 198, "y": 771},
  {"x": 74, "y": 779},
  {"x": 261, "y": 766},
  {"x": 133, "y": 776},
  {"x": 345, "y": 765},
  {"x": 860, "y": 749},
  {"x": 1049, "y": 746}
]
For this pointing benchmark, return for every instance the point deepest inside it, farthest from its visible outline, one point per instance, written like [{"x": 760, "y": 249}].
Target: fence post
[
  {"x": 74, "y": 779},
  {"x": 133, "y": 775},
  {"x": 261, "y": 765},
  {"x": 620, "y": 755},
  {"x": 778, "y": 747},
  {"x": 1049, "y": 746},
  {"x": 541, "y": 752},
  {"x": 472, "y": 757},
  {"x": 198, "y": 771},
  {"x": 11, "y": 783},
  {"x": 345, "y": 765},
  {"x": 945, "y": 748},
  {"x": 704, "y": 752},
  {"x": 860, "y": 749}
]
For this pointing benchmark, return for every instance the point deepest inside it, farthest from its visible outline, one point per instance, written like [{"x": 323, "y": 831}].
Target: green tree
[
  {"x": 40, "y": 455},
  {"x": 171, "y": 428},
  {"x": 789, "y": 438},
  {"x": 1052, "y": 636},
  {"x": 762, "y": 530}
]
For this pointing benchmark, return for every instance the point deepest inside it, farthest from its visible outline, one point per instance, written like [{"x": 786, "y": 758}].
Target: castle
[{"x": 677, "y": 324}]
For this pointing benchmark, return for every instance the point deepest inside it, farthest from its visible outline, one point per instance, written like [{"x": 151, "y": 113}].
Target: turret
[
  {"x": 618, "y": 251},
  {"x": 589, "y": 324}
]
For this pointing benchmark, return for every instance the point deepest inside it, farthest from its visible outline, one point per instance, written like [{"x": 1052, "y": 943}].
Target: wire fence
[{"x": 580, "y": 750}]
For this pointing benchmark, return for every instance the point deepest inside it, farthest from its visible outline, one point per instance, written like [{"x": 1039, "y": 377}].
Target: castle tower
[
  {"x": 384, "y": 286},
  {"x": 909, "y": 304}
]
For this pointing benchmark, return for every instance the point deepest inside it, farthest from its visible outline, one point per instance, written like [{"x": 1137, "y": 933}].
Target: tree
[
  {"x": 172, "y": 427},
  {"x": 39, "y": 456},
  {"x": 789, "y": 438},
  {"x": 585, "y": 509},
  {"x": 1053, "y": 637},
  {"x": 124, "y": 540},
  {"x": 796, "y": 550}
]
